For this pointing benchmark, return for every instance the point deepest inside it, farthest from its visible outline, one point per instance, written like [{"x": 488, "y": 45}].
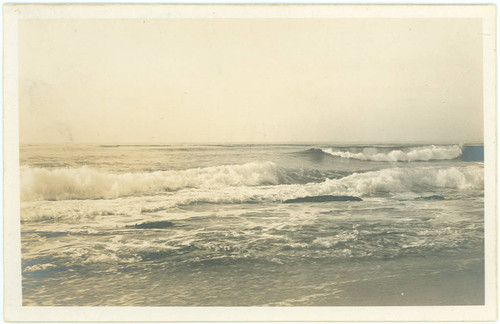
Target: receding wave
[
  {"x": 88, "y": 183},
  {"x": 409, "y": 154}
]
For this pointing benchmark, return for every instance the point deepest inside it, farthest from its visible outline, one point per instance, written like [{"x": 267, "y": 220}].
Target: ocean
[{"x": 219, "y": 225}]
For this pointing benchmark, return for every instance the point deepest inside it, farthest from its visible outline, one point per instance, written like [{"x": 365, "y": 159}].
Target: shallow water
[{"x": 232, "y": 241}]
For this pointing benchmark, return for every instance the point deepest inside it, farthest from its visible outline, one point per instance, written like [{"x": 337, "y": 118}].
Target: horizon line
[{"x": 159, "y": 143}]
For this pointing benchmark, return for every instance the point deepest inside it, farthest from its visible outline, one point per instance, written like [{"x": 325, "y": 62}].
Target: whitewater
[
  {"x": 407, "y": 154},
  {"x": 206, "y": 225}
]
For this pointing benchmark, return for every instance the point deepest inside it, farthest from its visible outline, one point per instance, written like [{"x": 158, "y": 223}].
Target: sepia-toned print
[{"x": 267, "y": 162}]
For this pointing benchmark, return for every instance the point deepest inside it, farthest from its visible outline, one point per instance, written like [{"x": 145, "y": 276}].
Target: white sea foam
[
  {"x": 423, "y": 153},
  {"x": 39, "y": 267}
]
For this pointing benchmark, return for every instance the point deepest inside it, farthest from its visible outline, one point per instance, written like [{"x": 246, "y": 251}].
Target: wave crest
[
  {"x": 252, "y": 182},
  {"x": 422, "y": 153},
  {"x": 394, "y": 181},
  {"x": 88, "y": 183},
  {"x": 401, "y": 180}
]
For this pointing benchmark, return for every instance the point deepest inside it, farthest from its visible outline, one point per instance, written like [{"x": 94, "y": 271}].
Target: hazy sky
[{"x": 250, "y": 80}]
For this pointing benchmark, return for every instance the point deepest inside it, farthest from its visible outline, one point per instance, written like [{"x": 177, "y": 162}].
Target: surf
[
  {"x": 89, "y": 183},
  {"x": 400, "y": 154},
  {"x": 260, "y": 185}
]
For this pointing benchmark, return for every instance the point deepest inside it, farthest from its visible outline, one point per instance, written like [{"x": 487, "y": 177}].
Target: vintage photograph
[{"x": 208, "y": 161}]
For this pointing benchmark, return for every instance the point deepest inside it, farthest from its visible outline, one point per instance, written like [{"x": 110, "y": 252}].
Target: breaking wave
[
  {"x": 400, "y": 180},
  {"x": 373, "y": 183},
  {"x": 88, "y": 183},
  {"x": 252, "y": 182},
  {"x": 409, "y": 154}
]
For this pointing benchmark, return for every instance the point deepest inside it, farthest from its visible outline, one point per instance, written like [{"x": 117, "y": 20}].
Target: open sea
[{"x": 213, "y": 225}]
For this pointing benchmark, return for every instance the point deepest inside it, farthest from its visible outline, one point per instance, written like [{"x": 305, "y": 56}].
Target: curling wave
[
  {"x": 88, "y": 183},
  {"x": 400, "y": 180},
  {"x": 249, "y": 183},
  {"x": 410, "y": 154},
  {"x": 373, "y": 183}
]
